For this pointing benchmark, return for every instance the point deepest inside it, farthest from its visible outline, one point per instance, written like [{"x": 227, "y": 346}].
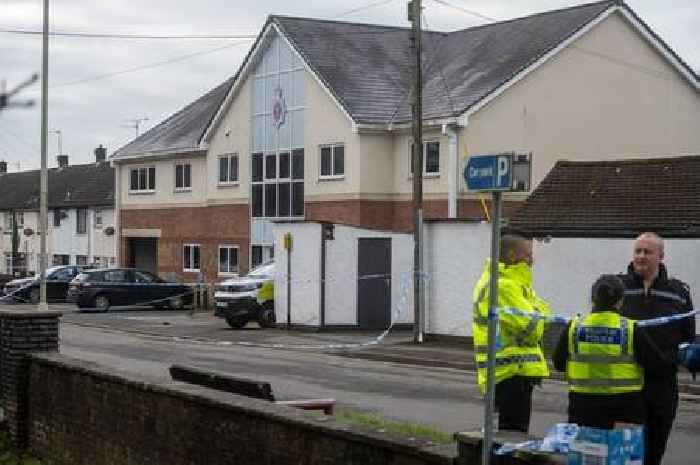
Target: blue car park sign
[{"x": 489, "y": 172}]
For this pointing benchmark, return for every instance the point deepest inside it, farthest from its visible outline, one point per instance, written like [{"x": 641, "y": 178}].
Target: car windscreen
[{"x": 263, "y": 271}]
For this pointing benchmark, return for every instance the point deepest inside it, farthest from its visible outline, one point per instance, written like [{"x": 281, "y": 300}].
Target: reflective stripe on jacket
[
  {"x": 601, "y": 355},
  {"x": 518, "y": 346}
]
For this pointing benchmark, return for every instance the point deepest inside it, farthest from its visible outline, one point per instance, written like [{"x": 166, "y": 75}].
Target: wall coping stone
[
  {"x": 438, "y": 453},
  {"x": 20, "y": 313}
]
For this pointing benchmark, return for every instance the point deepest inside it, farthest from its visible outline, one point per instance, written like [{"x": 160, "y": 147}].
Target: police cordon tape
[{"x": 562, "y": 319}]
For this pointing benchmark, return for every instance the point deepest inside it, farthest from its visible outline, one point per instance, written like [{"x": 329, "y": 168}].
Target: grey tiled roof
[
  {"x": 619, "y": 198},
  {"x": 368, "y": 67},
  {"x": 72, "y": 186},
  {"x": 181, "y": 131}
]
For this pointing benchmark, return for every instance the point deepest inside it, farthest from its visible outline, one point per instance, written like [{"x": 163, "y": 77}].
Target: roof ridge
[
  {"x": 629, "y": 161},
  {"x": 541, "y": 13},
  {"x": 351, "y": 23}
]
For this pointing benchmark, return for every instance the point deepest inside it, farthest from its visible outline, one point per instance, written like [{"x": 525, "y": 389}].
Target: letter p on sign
[{"x": 502, "y": 170}]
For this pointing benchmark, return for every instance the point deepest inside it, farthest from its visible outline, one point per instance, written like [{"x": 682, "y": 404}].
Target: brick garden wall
[{"x": 81, "y": 414}]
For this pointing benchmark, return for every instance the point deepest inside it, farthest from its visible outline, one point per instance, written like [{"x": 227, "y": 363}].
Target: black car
[
  {"x": 116, "y": 287},
  {"x": 57, "y": 280}
]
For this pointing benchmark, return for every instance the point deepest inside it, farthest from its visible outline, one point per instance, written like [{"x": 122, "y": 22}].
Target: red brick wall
[
  {"x": 207, "y": 226},
  {"x": 395, "y": 216}
]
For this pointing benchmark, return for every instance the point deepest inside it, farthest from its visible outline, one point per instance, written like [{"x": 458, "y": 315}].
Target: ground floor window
[
  {"x": 228, "y": 259},
  {"x": 260, "y": 254},
  {"x": 81, "y": 260},
  {"x": 190, "y": 257},
  {"x": 60, "y": 260}
]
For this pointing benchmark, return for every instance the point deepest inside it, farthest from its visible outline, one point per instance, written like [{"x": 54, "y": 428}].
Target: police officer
[
  {"x": 520, "y": 363},
  {"x": 651, "y": 293},
  {"x": 605, "y": 357}
]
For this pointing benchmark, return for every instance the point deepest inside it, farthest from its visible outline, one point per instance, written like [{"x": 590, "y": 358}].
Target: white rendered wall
[
  {"x": 565, "y": 268},
  {"x": 454, "y": 260},
  {"x": 341, "y": 272},
  {"x": 305, "y": 273}
]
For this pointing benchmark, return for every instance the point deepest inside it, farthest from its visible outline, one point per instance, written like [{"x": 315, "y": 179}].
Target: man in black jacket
[{"x": 651, "y": 293}]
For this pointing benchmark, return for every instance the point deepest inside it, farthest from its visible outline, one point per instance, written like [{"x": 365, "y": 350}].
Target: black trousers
[
  {"x": 514, "y": 403},
  {"x": 658, "y": 424}
]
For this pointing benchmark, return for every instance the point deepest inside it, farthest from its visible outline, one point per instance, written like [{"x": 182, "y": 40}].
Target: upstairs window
[
  {"x": 98, "y": 218},
  {"x": 431, "y": 158},
  {"x": 57, "y": 215},
  {"x": 228, "y": 169},
  {"x": 332, "y": 161},
  {"x": 81, "y": 221},
  {"x": 183, "y": 177},
  {"x": 142, "y": 180}
]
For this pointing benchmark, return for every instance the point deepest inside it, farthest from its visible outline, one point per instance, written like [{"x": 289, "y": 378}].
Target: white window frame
[
  {"x": 147, "y": 169},
  {"x": 98, "y": 219},
  {"x": 228, "y": 182},
  {"x": 238, "y": 260},
  {"x": 188, "y": 267},
  {"x": 425, "y": 146},
  {"x": 333, "y": 175},
  {"x": 182, "y": 188}
]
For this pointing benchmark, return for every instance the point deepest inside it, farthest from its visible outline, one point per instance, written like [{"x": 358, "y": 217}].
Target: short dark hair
[
  {"x": 607, "y": 290},
  {"x": 512, "y": 243}
]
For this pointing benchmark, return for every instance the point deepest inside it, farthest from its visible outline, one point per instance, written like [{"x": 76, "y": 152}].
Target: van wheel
[
  {"x": 267, "y": 318},
  {"x": 236, "y": 323}
]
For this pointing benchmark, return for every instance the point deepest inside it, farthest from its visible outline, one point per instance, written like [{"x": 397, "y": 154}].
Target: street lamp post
[{"x": 43, "y": 204}]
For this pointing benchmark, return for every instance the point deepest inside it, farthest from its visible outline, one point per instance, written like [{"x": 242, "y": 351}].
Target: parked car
[
  {"x": 57, "y": 280},
  {"x": 110, "y": 287},
  {"x": 239, "y": 300}
]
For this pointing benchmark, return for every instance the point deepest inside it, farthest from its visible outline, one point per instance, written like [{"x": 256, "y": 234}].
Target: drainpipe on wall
[
  {"x": 117, "y": 215},
  {"x": 453, "y": 173}
]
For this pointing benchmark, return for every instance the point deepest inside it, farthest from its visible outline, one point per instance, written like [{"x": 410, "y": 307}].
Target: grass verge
[{"x": 378, "y": 422}]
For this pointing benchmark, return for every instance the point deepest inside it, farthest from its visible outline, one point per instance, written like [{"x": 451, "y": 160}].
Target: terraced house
[
  {"x": 315, "y": 126},
  {"x": 81, "y": 227}
]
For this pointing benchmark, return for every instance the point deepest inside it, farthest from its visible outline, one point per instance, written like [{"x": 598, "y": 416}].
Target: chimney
[
  {"x": 62, "y": 160},
  {"x": 100, "y": 154},
  {"x": 3, "y": 167}
]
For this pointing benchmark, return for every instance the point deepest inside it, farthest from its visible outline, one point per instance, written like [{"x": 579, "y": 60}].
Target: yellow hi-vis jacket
[
  {"x": 601, "y": 355},
  {"x": 518, "y": 347},
  {"x": 266, "y": 292}
]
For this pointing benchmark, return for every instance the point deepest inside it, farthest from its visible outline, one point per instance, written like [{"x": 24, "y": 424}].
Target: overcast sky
[{"x": 90, "y": 108}]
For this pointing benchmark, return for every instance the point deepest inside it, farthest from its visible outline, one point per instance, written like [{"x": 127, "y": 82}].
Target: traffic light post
[{"x": 504, "y": 172}]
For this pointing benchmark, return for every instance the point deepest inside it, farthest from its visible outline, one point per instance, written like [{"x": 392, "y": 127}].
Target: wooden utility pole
[{"x": 414, "y": 15}]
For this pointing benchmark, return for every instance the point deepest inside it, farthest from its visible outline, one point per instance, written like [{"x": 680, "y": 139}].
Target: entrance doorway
[
  {"x": 143, "y": 254},
  {"x": 374, "y": 283}
]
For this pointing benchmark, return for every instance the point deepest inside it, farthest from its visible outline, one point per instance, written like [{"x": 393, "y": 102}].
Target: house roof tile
[
  {"x": 71, "y": 186},
  {"x": 615, "y": 199}
]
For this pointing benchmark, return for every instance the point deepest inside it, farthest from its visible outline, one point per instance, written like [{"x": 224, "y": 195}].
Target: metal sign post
[{"x": 495, "y": 174}]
